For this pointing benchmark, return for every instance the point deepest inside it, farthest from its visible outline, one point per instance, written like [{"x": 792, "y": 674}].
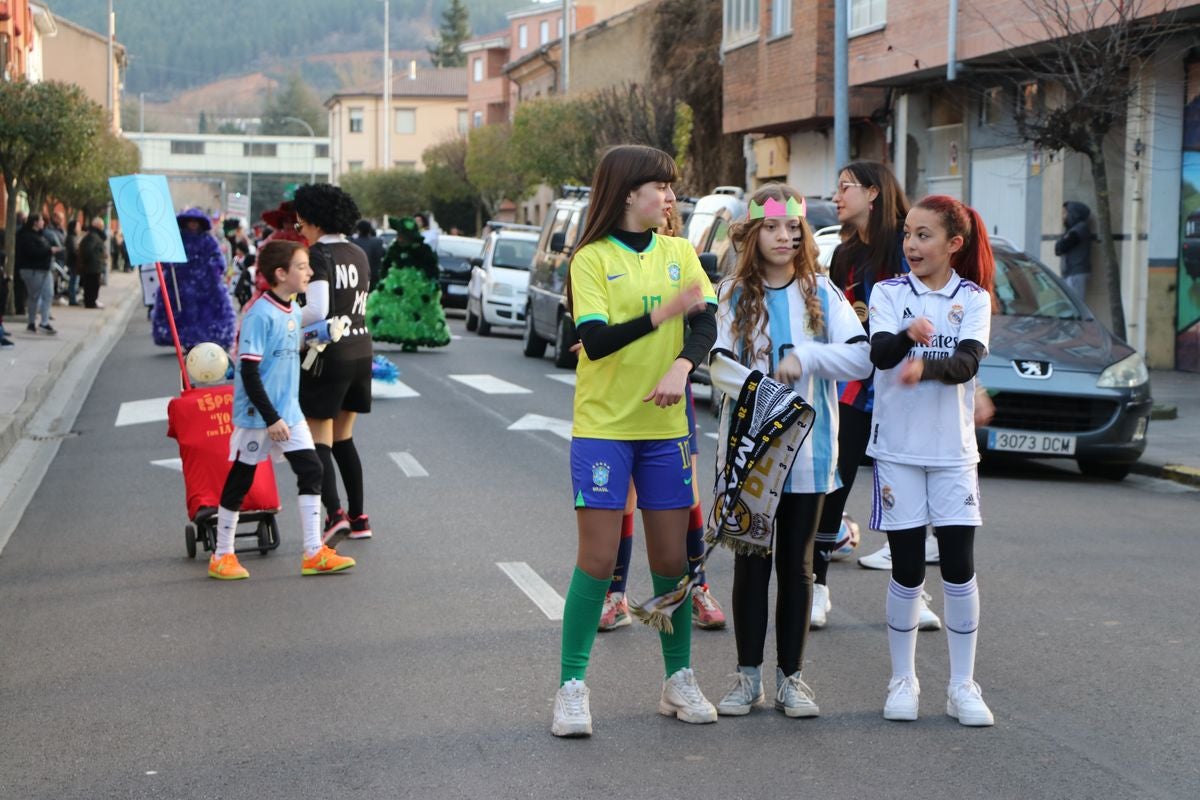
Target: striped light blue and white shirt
[{"x": 839, "y": 353}]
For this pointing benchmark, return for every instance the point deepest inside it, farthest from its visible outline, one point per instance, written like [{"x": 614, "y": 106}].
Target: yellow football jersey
[{"x": 612, "y": 283}]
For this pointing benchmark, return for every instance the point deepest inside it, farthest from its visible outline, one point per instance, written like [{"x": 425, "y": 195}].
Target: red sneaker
[
  {"x": 337, "y": 525},
  {"x": 360, "y": 528},
  {"x": 705, "y": 611}
]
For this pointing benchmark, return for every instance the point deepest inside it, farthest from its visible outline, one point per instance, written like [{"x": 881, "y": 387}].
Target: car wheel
[
  {"x": 563, "y": 341},
  {"x": 1105, "y": 470},
  {"x": 534, "y": 345},
  {"x": 472, "y": 320}
]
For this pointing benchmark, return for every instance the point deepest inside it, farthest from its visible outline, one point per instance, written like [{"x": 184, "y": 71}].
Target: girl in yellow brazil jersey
[{"x": 629, "y": 291}]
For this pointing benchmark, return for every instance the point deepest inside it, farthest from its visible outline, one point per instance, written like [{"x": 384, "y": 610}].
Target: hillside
[{"x": 175, "y": 45}]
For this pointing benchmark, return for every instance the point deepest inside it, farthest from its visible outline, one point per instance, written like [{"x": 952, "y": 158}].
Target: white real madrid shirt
[
  {"x": 839, "y": 353},
  {"x": 930, "y": 424}
]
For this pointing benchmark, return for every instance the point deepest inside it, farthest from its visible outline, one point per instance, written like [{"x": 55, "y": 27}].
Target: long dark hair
[
  {"x": 621, "y": 170},
  {"x": 881, "y": 255},
  {"x": 974, "y": 260}
]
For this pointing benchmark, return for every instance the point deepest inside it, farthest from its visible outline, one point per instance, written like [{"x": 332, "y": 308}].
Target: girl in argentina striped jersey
[{"x": 929, "y": 331}]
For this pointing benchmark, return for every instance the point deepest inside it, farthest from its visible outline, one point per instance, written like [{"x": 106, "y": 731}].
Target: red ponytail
[{"x": 974, "y": 260}]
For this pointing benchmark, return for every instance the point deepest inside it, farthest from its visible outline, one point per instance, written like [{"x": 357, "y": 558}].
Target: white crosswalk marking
[
  {"x": 137, "y": 412},
  {"x": 711, "y": 435},
  {"x": 489, "y": 384},
  {"x": 412, "y": 468},
  {"x": 536, "y": 422},
  {"x": 563, "y": 377},
  {"x": 540, "y": 592},
  {"x": 392, "y": 391}
]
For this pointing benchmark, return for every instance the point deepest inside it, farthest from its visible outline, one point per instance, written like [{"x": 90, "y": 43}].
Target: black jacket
[
  {"x": 92, "y": 252},
  {"x": 33, "y": 251},
  {"x": 1075, "y": 245}
]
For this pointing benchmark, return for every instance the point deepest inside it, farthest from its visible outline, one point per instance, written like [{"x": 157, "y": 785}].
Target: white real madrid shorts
[
  {"x": 908, "y": 496},
  {"x": 253, "y": 445}
]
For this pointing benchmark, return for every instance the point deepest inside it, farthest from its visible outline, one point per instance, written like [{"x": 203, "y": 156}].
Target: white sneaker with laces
[
  {"x": 927, "y": 621},
  {"x": 746, "y": 692},
  {"x": 821, "y": 606},
  {"x": 794, "y": 697},
  {"x": 682, "y": 699},
  {"x": 903, "y": 699},
  {"x": 572, "y": 714},
  {"x": 880, "y": 559},
  {"x": 964, "y": 702}
]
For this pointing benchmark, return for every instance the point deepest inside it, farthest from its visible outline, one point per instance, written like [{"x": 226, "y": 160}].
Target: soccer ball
[
  {"x": 207, "y": 363},
  {"x": 847, "y": 540}
]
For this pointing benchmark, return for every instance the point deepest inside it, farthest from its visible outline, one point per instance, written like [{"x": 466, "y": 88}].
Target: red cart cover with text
[{"x": 201, "y": 419}]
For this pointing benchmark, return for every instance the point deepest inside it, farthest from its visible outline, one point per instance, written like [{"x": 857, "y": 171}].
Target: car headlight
[
  {"x": 1125, "y": 374},
  {"x": 502, "y": 289}
]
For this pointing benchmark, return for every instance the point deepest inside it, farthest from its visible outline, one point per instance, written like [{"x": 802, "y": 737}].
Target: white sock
[
  {"x": 310, "y": 522},
  {"x": 903, "y": 613},
  {"x": 962, "y": 628},
  {"x": 226, "y": 528}
]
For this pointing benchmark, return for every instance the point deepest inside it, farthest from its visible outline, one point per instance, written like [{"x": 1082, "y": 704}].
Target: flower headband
[{"x": 773, "y": 208}]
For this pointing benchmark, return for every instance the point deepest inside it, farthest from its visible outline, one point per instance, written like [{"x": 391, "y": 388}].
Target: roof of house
[{"x": 442, "y": 82}]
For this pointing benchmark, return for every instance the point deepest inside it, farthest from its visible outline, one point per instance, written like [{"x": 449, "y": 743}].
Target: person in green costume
[{"x": 406, "y": 307}]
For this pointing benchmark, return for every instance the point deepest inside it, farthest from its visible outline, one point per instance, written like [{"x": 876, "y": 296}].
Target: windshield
[
  {"x": 1024, "y": 288},
  {"x": 459, "y": 248},
  {"x": 698, "y": 227},
  {"x": 514, "y": 253}
]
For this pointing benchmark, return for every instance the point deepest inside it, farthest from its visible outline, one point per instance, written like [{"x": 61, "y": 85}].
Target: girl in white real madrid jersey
[
  {"x": 929, "y": 331},
  {"x": 778, "y": 315}
]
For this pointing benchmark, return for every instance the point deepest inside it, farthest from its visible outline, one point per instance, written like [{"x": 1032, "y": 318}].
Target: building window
[
  {"x": 321, "y": 150},
  {"x": 478, "y": 120},
  {"x": 406, "y": 165},
  {"x": 181, "y": 148},
  {"x": 741, "y": 21},
  {"x": 477, "y": 68},
  {"x": 355, "y": 166},
  {"x": 544, "y": 31},
  {"x": 356, "y": 120},
  {"x": 1029, "y": 97},
  {"x": 258, "y": 149},
  {"x": 522, "y": 36},
  {"x": 991, "y": 106},
  {"x": 867, "y": 15},
  {"x": 406, "y": 120},
  {"x": 463, "y": 120},
  {"x": 781, "y": 17},
  {"x": 560, "y": 27}
]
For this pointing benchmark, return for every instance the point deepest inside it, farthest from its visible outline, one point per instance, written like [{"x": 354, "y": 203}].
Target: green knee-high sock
[
  {"x": 581, "y": 616},
  {"x": 677, "y": 645}
]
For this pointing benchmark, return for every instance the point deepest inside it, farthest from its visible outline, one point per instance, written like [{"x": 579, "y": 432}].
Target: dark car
[
  {"x": 1062, "y": 384},
  {"x": 546, "y": 317},
  {"x": 1191, "y": 245},
  {"x": 454, "y": 267}
]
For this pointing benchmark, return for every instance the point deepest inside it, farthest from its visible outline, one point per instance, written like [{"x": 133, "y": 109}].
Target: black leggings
[
  {"x": 795, "y": 529},
  {"x": 304, "y": 463},
  {"x": 854, "y": 428},
  {"x": 956, "y": 546}
]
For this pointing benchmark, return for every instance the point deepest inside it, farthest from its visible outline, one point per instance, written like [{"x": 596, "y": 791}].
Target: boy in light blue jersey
[{"x": 266, "y": 413}]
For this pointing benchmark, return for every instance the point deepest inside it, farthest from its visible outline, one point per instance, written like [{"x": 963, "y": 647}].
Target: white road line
[
  {"x": 536, "y": 422},
  {"x": 540, "y": 592},
  {"x": 711, "y": 435},
  {"x": 489, "y": 384},
  {"x": 412, "y": 468},
  {"x": 169, "y": 463},
  {"x": 392, "y": 391},
  {"x": 563, "y": 377},
  {"x": 137, "y": 412}
]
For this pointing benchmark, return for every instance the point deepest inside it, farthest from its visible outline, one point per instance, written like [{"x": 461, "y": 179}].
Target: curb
[
  {"x": 12, "y": 428},
  {"x": 1188, "y": 476}
]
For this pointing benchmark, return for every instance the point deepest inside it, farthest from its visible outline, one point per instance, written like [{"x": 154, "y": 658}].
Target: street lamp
[{"x": 312, "y": 156}]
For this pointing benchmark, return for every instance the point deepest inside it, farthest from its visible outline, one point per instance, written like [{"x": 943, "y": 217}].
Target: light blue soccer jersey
[{"x": 271, "y": 336}]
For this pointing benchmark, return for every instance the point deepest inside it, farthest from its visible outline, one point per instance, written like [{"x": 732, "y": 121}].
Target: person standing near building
[
  {"x": 366, "y": 238},
  {"x": 92, "y": 260},
  {"x": 34, "y": 255},
  {"x": 57, "y": 238},
  {"x": 1075, "y": 247}
]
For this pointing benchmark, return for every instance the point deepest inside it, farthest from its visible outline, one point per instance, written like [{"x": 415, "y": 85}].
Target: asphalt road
[{"x": 426, "y": 672}]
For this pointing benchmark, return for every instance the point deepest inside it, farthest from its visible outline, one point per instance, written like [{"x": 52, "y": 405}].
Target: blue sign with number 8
[{"x": 147, "y": 218}]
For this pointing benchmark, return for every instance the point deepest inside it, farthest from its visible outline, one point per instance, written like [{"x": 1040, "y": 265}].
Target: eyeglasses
[
  {"x": 297, "y": 226},
  {"x": 844, "y": 185}
]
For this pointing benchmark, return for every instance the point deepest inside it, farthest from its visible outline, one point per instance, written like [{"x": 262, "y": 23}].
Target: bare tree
[{"x": 1094, "y": 51}]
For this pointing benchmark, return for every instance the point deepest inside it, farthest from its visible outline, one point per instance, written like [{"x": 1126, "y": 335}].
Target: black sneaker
[
  {"x": 360, "y": 528},
  {"x": 6, "y": 343},
  {"x": 337, "y": 525},
  {"x": 31, "y": 328},
  {"x": 50, "y": 329}
]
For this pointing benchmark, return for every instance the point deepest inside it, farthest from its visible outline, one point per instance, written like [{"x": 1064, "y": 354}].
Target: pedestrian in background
[
  {"x": 370, "y": 243},
  {"x": 57, "y": 237},
  {"x": 929, "y": 331},
  {"x": 5, "y": 342},
  {"x": 71, "y": 242},
  {"x": 196, "y": 288},
  {"x": 92, "y": 261},
  {"x": 34, "y": 255},
  {"x": 1075, "y": 247},
  {"x": 629, "y": 290}
]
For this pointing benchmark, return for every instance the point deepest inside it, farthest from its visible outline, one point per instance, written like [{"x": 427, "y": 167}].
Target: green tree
[
  {"x": 294, "y": 100},
  {"x": 399, "y": 191},
  {"x": 84, "y": 187},
  {"x": 554, "y": 141},
  {"x": 45, "y": 128},
  {"x": 455, "y": 29},
  {"x": 492, "y": 169},
  {"x": 449, "y": 187}
]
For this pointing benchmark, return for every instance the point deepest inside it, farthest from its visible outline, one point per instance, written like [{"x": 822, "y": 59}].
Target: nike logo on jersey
[
  {"x": 614, "y": 277},
  {"x": 687, "y": 481},
  {"x": 908, "y": 314}
]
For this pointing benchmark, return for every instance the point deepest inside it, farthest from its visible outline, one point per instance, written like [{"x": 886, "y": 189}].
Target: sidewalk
[
  {"x": 1173, "y": 445},
  {"x": 31, "y": 369}
]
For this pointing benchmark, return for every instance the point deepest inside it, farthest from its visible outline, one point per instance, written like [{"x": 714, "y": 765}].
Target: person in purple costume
[{"x": 199, "y": 299}]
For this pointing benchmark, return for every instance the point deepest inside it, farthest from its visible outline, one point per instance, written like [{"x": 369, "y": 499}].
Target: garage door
[{"x": 998, "y": 193}]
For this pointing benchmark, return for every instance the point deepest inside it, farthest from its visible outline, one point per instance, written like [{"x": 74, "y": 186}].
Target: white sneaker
[
  {"x": 928, "y": 621},
  {"x": 902, "y": 700},
  {"x": 572, "y": 715},
  {"x": 793, "y": 696},
  {"x": 682, "y": 699},
  {"x": 747, "y": 691},
  {"x": 821, "y": 606},
  {"x": 880, "y": 559},
  {"x": 965, "y": 703}
]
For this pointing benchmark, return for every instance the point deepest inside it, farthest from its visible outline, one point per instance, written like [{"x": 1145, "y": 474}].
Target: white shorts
[
  {"x": 253, "y": 445},
  {"x": 908, "y": 496}
]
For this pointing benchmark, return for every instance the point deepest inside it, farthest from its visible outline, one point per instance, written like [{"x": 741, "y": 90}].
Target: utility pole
[
  {"x": 566, "y": 47},
  {"x": 841, "y": 88},
  {"x": 112, "y": 86},
  {"x": 387, "y": 90}
]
